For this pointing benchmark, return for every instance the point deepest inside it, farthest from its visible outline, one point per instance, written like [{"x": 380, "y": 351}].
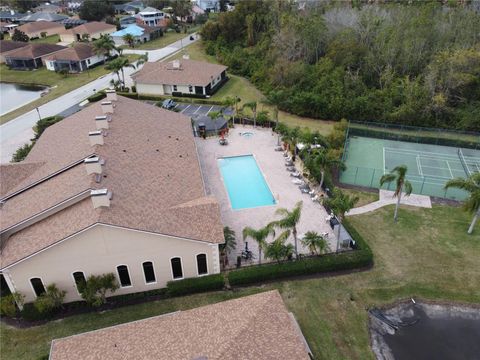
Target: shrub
[
  {"x": 51, "y": 300},
  {"x": 8, "y": 304},
  {"x": 195, "y": 285},
  {"x": 97, "y": 96},
  {"x": 22, "y": 152},
  {"x": 44, "y": 123},
  {"x": 95, "y": 289}
]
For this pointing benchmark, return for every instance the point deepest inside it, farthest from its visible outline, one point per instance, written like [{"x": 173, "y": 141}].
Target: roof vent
[
  {"x": 93, "y": 165},
  {"x": 95, "y": 137},
  {"x": 111, "y": 95},
  {"x": 176, "y": 64},
  {"x": 107, "y": 107},
  {"x": 102, "y": 121},
  {"x": 100, "y": 198}
]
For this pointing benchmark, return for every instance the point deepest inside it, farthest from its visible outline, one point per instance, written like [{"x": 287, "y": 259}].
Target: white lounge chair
[
  {"x": 297, "y": 182},
  {"x": 296, "y": 174}
]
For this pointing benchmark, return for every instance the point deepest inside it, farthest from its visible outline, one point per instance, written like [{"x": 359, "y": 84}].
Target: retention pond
[
  {"x": 425, "y": 331},
  {"x": 13, "y": 96}
]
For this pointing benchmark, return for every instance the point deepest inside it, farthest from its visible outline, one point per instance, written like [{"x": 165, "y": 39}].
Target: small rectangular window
[
  {"x": 149, "y": 272},
  {"x": 174, "y": 87},
  {"x": 37, "y": 285},
  {"x": 177, "y": 268},
  {"x": 124, "y": 276},
  {"x": 202, "y": 264},
  {"x": 190, "y": 88},
  {"x": 80, "y": 280}
]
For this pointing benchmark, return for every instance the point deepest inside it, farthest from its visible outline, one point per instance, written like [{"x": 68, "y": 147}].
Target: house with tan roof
[
  {"x": 108, "y": 190},
  {"x": 88, "y": 31},
  {"x": 74, "y": 59},
  {"x": 40, "y": 29},
  {"x": 6, "y": 46},
  {"x": 252, "y": 327},
  {"x": 180, "y": 77},
  {"x": 30, "y": 56}
]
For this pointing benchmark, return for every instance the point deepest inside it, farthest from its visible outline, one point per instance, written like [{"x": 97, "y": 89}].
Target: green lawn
[
  {"x": 247, "y": 92},
  {"x": 364, "y": 197},
  {"x": 427, "y": 254},
  {"x": 60, "y": 84},
  {"x": 53, "y": 39}
]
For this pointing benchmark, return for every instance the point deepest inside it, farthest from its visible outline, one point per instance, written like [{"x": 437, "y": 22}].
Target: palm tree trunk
[
  {"x": 294, "y": 231},
  {"x": 322, "y": 178},
  {"x": 259, "y": 254},
  {"x": 474, "y": 220},
  {"x": 123, "y": 77},
  {"x": 399, "y": 197},
  {"x": 254, "y": 118}
]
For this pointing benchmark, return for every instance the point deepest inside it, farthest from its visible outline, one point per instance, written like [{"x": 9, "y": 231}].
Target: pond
[
  {"x": 426, "y": 331},
  {"x": 13, "y": 96}
]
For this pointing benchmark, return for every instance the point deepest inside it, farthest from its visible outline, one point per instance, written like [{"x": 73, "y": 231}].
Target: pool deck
[{"x": 271, "y": 163}]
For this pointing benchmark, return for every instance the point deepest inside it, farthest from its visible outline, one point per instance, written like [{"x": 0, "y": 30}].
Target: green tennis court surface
[{"x": 429, "y": 166}]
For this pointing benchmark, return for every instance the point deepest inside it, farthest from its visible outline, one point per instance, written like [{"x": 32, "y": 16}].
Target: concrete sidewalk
[{"x": 386, "y": 198}]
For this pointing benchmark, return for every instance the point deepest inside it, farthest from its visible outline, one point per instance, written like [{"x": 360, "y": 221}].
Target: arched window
[
  {"x": 124, "y": 276},
  {"x": 37, "y": 286},
  {"x": 79, "y": 278},
  {"x": 149, "y": 272},
  {"x": 177, "y": 270},
  {"x": 202, "y": 268}
]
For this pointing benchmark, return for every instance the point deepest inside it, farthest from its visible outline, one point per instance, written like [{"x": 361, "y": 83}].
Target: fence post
[
  {"x": 355, "y": 180},
  {"x": 423, "y": 183},
  {"x": 373, "y": 176}
]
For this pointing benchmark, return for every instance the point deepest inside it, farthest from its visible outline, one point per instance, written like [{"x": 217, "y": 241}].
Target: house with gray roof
[{"x": 43, "y": 16}]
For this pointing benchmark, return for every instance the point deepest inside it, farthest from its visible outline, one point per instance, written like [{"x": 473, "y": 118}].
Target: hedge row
[
  {"x": 97, "y": 96},
  {"x": 138, "y": 96},
  {"x": 195, "y": 285}
]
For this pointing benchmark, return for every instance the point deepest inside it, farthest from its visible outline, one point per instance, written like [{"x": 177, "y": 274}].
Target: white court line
[
  {"x": 449, "y": 169},
  {"x": 384, "y": 160},
  {"x": 419, "y": 166},
  {"x": 186, "y": 108},
  {"x": 419, "y": 152}
]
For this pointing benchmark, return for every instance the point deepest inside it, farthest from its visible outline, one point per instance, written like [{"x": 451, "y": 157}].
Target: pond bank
[{"x": 426, "y": 331}]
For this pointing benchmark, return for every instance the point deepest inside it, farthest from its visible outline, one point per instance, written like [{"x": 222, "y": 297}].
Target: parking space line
[
  {"x": 198, "y": 108},
  {"x": 209, "y": 110},
  {"x": 186, "y": 108}
]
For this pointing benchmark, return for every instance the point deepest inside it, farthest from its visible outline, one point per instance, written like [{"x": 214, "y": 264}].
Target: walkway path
[
  {"x": 386, "y": 198},
  {"x": 18, "y": 131}
]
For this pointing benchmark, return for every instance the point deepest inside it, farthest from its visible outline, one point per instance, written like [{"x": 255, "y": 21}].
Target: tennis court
[{"x": 429, "y": 166}]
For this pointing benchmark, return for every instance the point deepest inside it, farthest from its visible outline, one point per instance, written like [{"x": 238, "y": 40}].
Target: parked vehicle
[{"x": 169, "y": 104}]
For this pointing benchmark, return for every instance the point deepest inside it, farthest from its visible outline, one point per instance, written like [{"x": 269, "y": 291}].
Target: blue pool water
[{"x": 245, "y": 184}]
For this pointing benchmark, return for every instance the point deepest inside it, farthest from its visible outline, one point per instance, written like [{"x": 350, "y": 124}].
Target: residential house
[
  {"x": 209, "y": 5},
  {"x": 180, "y": 77},
  {"x": 50, "y": 8},
  {"x": 88, "y": 31},
  {"x": 252, "y": 327},
  {"x": 72, "y": 22},
  {"x": 31, "y": 56},
  {"x": 127, "y": 20},
  {"x": 43, "y": 16},
  {"x": 11, "y": 16},
  {"x": 7, "y": 46},
  {"x": 141, "y": 33},
  {"x": 130, "y": 8},
  {"x": 74, "y": 59},
  {"x": 38, "y": 28},
  {"x": 114, "y": 188},
  {"x": 151, "y": 16}
]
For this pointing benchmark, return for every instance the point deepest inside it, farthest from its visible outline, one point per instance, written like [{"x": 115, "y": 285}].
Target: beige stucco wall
[
  {"x": 67, "y": 37},
  {"x": 49, "y": 32},
  {"x": 100, "y": 250},
  {"x": 151, "y": 89}
]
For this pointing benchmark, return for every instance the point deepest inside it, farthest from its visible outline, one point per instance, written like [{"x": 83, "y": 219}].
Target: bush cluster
[
  {"x": 161, "y": 98},
  {"x": 97, "y": 96},
  {"x": 195, "y": 285}
]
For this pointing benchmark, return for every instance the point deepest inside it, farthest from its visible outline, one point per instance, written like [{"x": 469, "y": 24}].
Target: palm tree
[
  {"x": 114, "y": 66},
  {"x": 315, "y": 243},
  {"x": 232, "y": 101},
  {"x": 341, "y": 203},
  {"x": 214, "y": 115},
  {"x": 472, "y": 204},
  {"x": 229, "y": 244},
  {"x": 323, "y": 160},
  {"x": 260, "y": 236},
  {"x": 399, "y": 175},
  {"x": 129, "y": 39},
  {"x": 142, "y": 59},
  {"x": 290, "y": 221},
  {"x": 252, "y": 106},
  {"x": 104, "y": 45},
  {"x": 117, "y": 65},
  {"x": 277, "y": 250}
]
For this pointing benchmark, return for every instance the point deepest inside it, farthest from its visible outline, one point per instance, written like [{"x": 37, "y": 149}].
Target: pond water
[
  {"x": 13, "y": 96},
  {"x": 428, "y": 332}
]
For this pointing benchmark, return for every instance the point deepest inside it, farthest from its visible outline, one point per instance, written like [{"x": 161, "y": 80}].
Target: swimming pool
[{"x": 245, "y": 184}]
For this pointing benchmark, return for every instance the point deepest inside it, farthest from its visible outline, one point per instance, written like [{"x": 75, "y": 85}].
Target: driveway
[{"x": 18, "y": 131}]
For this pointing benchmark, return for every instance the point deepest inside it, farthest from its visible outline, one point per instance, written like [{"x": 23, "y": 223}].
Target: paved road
[{"x": 18, "y": 131}]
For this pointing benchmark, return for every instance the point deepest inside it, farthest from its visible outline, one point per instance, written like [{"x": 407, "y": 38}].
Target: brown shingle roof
[
  {"x": 40, "y": 26},
  {"x": 12, "y": 174},
  {"x": 91, "y": 28},
  {"x": 190, "y": 72},
  {"x": 151, "y": 167},
  {"x": 252, "y": 327},
  {"x": 34, "y": 50},
  {"x": 76, "y": 53},
  {"x": 8, "y": 45}
]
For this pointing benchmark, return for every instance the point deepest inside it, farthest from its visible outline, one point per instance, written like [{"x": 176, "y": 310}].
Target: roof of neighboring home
[
  {"x": 34, "y": 50},
  {"x": 40, "y": 26},
  {"x": 46, "y": 16},
  {"x": 47, "y": 8},
  {"x": 190, "y": 72},
  {"x": 92, "y": 28},
  {"x": 134, "y": 30},
  {"x": 130, "y": 6},
  {"x": 8, "y": 45},
  {"x": 149, "y": 9},
  {"x": 151, "y": 168},
  {"x": 252, "y": 327},
  {"x": 76, "y": 53},
  {"x": 11, "y": 15}
]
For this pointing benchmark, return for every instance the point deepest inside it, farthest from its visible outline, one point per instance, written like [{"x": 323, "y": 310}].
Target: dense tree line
[{"x": 413, "y": 64}]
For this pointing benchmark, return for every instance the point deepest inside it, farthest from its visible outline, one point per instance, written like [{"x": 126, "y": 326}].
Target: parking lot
[{"x": 195, "y": 110}]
